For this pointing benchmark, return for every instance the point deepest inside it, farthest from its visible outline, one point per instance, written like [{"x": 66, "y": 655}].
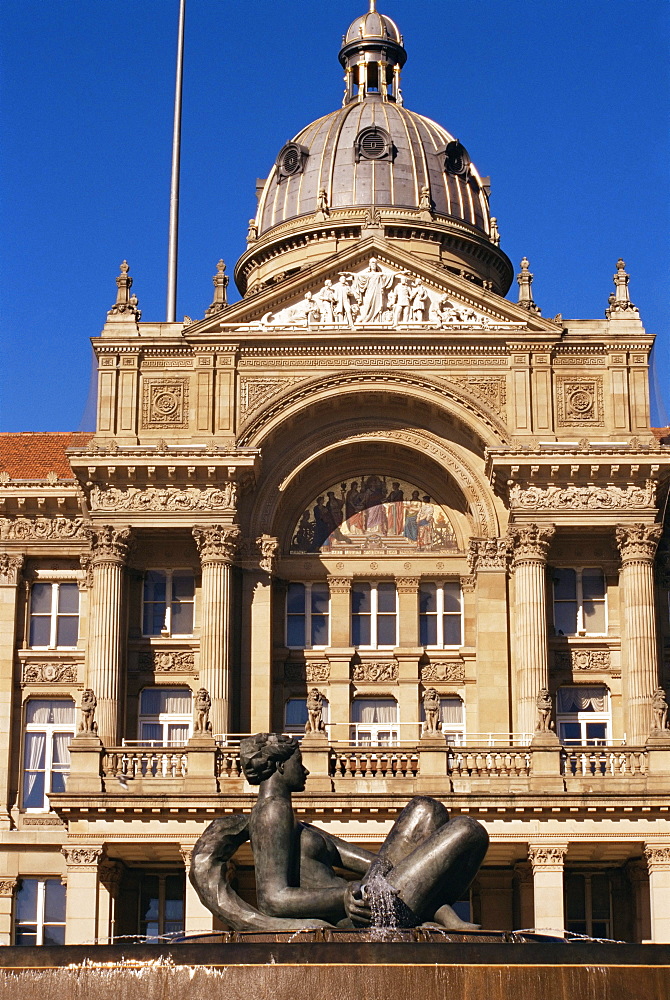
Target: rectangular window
[
  {"x": 54, "y": 615},
  {"x": 49, "y": 727},
  {"x": 295, "y": 715},
  {"x": 452, "y": 719},
  {"x": 580, "y": 602},
  {"x": 161, "y": 905},
  {"x": 374, "y": 615},
  {"x": 440, "y": 615},
  {"x": 166, "y": 716},
  {"x": 588, "y": 904},
  {"x": 168, "y": 602},
  {"x": 307, "y": 615},
  {"x": 39, "y": 912},
  {"x": 374, "y": 722},
  {"x": 583, "y": 715}
]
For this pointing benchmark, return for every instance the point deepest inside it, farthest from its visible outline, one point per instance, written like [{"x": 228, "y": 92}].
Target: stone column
[
  {"x": 637, "y": 874},
  {"x": 408, "y": 654},
  {"x": 658, "y": 864},
  {"x": 524, "y": 915},
  {"x": 7, "y": 890},
  {"x": 110, "y": 874},
  {"x": 547, "y": 864},
  {"x": 637, "y": 545},
  {"x": 217, "y": 546},
  {"x": 110, "y": 551},
  {"x": 81, "y": 907},
  {"x": 261, "y": 637},
  {"x": 197, "y": 918},
  {"x": 10, "y": 574},
  {"x": 489, "y": 559},
  {"x": 339, "y": 656},
  {"x": 531, "y": 670}
]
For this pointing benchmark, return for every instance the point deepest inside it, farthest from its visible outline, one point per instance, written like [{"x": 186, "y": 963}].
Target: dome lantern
[{"x": 372, "y": 55}]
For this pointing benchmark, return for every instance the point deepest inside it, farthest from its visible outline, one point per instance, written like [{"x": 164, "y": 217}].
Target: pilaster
[
  {"x": 489, "y": 559},
  {"x": 261, "y": 635},
  {"x": 7, "y": 889},
  {"x": 197, "y": 918},
  {"x": 547, "y": 864},
  {"x": 10, "y": 575},
  {"x": 658, "y": 865},
  {"x": 81, "y": 908}
]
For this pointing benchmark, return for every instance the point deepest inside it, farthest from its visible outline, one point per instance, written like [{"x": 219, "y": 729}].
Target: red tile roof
[
  {"x": 32, "y": 455},
  {"x": 661, "y": 434}
]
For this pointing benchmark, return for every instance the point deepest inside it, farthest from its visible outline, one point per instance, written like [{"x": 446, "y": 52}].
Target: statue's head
[
  {"x": 88, "y": 698},
  {"x": 262, "y": 754}
]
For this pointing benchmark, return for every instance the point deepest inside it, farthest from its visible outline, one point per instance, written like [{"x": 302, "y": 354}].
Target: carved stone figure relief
[
  {"x": 43, "y": 527},
  {"x": 165, "y": 402},
  {"x": 317, "y": 671},
  {"x": 583, "y": 659},
  {"x": 583, "y": 497},
  {"x": 374, "y": 673},
  {"x": 167, "y": 661},
  {"x": 49, "y": 673},
  {"x": 167, "y": 498}
]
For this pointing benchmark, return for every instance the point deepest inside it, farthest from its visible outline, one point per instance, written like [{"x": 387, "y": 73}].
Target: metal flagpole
[{"x": 173, "y": 235}]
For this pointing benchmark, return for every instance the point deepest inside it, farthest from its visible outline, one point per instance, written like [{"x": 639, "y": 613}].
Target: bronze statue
[{"x": 427, "y": 860}]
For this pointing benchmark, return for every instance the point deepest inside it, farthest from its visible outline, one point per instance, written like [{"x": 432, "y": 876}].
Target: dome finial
[
  {"x": 373, "y": 7},
  {"x": 372, "y": 54}
]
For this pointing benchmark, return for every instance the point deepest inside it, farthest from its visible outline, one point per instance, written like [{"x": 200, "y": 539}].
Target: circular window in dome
[
  {"x": 291, "y": 160},
  {"x": 457, "y": 159},
  {"x": 373, "y": 143}
]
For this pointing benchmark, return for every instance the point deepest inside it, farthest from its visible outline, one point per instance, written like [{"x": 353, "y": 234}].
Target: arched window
[
  {"x": 583, "y": 715},
  {"x": 374, "y": 721}
]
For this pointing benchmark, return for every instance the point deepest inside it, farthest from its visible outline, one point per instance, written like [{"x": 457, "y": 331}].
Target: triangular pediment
[{"x": 374, "y": 285}]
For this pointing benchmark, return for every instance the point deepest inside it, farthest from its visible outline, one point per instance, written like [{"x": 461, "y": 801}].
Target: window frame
[
  {"x": 54, "y": 614},
  {"x": 164, "y": 719},
  {"x": 580, "y": 631},
  {"x": 40, "y": 922},
  {"x": 374, "y": 614},
  {"x": 49, "y": 729},
  {"x": 307, "y": 614},
  {"x": 296, "y": 730},
  {"x": 359, "y": 730},
  {"x": 166, "y": 631},
  {"x": 589, "y": 920},
  {"x": 449, "y": 729},
  {"x": 142, "y": 924},
  {"x": 440, "y": 614},
  {"x": 583, "y": 718}
]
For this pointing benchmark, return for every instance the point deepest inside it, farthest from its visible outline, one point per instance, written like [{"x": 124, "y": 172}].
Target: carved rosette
[
  {"x": 110, "y": 545},
  {"x": 10, "y": 569},
  {"x": 546, "y": 857},
  {"x": 638, "y": 542},
  {"x": 530, "y": 544},
  {"x": 83, "y": 858},
  {"x": 7, "y": 886},
  {"x": 217, "y": 543},
  {"x": 488, "y": 554},
  {"x": 658, "y": 858},
  {"x": 268, "y": 548}
]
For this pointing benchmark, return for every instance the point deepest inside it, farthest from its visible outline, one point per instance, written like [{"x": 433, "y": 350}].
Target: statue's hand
[{"x": 356, "y": 905}]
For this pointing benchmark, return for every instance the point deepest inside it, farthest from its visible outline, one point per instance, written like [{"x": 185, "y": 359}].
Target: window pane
[
  {"x": 40, "y": 598},
  {"x": 67, "y": 631},
  {"x": 428, "y": 630},
  {"x": 386, "y": 630},
  {"x": 54, "y": 934},
  {"x": 596, "y": 732},
  {"x": 360, "y": 599},
  {"x": 386, "y": 597},
  {"x": 374, "y": 710},
  {"x": 26, "y": 900},
  {"x": 452, "y": 630},
  {"x": 60, "y": 748},
  {"x": 319, "y": 630},
  {"x": 452, "y": 597},
  {"x": 35, "y": 751},
  {"x": 177, "y": 701},
  {"x": 178, "y": 734},
  {"x": 593, "y": 584},
  {"x": 600, "y": 897},
  {"x": 295, "y": 713},
  {"x": 54, "y": 903},
  {"x": 151, "y": 732},
  {"x": 570, "y": 732},
  {"x": 574, "y": 897},
  {"x": 40, "y": 631},
  {"x": 295, "y": 631},
  {"x": 594, "y": 616},
  {"x": 58, "y": 781},
  {"x": 149, "y": 899},
  {"x": 451, "y": 711},
  {"x": 565, "y": 584},
  {"x": 295, "y": 599},
  {"x": 155, "y": 586},
  {"x": 182, "y": 619},
  {"x": 427, "y": 598},
  {"x": 68, "y": 599},
  {"x": 360, "y": 630},
  {"x": 42, "y": 711},
  {"x": 183, "y": 586},
  {"x": 320, "y": 595},
  {"x": 154, "y": 619},
  {"x": 565, "y": 617}
]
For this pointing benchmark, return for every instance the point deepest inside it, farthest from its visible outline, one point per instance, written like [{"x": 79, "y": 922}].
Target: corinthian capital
[
  {"x": 543, "y": 857},
  {"x": 530, "y": 542},
  {"x": 638, "y": 542},
  {"x": 268, "y": 548},
  {"x": 10, "y": 569},
  {"x": 488, "y": 553},
  {"x": 217, "y": 542},
  {"x": 110, "y": 544}
]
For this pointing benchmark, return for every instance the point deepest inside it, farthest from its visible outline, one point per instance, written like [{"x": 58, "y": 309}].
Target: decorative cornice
[
  {"x": 638, "y": 542},
  {"x": 530, "y": 543},
  {"x": 488, "y": 553},
  {"x": 167, "y": 499},
  {"x": 110, "y": 544},
  {"x": 217, "y": 542},
  {"x": 10, "y": 569},
  {"x": 546, "y": 857},
  {"x": 582, "y": 498},
  {"x": 658, "y": 858}
]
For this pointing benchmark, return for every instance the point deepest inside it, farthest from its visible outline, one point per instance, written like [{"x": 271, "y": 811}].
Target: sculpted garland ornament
[
  {"x": 168, "y": 498},
  {"x": 44, "y": 527},
  {"x": 582, "y": 497}
]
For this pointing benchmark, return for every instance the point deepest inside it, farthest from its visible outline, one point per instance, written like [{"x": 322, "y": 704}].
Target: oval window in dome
[
  {"x": 373, "y": 143},
  {"x": 291, "y": 160},
  {"x": 457, "y": 159}
]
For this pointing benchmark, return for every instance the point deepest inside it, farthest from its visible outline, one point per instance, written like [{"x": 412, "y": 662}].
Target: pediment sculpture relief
[{"x": 379, "y": 296}]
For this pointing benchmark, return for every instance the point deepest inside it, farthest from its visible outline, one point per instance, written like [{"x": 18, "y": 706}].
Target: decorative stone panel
[
  {"x": 579, "y": 401},
  {"x": 583, "y": 659},
  {"x": 491, "y": 389},
  {"x": 163, "y": 661},
  {"x": 572, "y": 498},
  {"x": 445, "y": 671},
  {"x": 43, "y": 527},
  {"x": 315, "y": 672},
  {"x": 376, "y": 672},
  {"x": 49, "y": 673},
  {"x": 165, "y": 402},
  {"x": 255, "y": 392},
  {"x": 168, "y": 499}
]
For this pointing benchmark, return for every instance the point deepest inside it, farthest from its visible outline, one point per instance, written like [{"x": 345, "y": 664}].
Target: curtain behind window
[
  {"x": 581, "y": 699},
  {"x": 371, "y": 711}
]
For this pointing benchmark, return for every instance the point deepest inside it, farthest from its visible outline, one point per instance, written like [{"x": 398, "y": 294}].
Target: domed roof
[
  {"x": 373, "y": 153},
  {"x": 373, "y": 25}
]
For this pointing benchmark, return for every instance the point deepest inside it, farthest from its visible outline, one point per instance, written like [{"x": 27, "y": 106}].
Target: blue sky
[{"x": 564, "y": 104}]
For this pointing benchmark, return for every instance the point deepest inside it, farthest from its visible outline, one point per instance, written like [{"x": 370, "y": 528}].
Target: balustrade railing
[
  {"x": 606, "y": 762},
  {"x": 227, "y": 763},
  {"x": 486, "y": 762},
  {"x": 145, "y": 762},
  {"x": 374, "y": 762}
]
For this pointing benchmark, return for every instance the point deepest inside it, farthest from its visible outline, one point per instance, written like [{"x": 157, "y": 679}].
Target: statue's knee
[
  {"x": 429, "y": 812},
  {"x": 469, "y": 830}
]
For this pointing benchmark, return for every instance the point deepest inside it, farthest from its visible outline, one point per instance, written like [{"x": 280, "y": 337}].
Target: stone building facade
[{"x": 373, "y": 475}]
